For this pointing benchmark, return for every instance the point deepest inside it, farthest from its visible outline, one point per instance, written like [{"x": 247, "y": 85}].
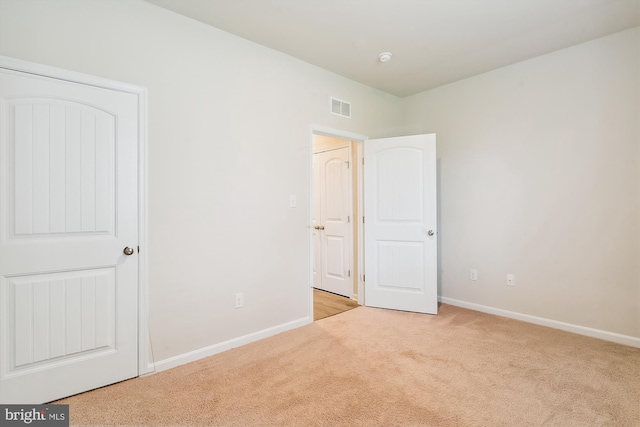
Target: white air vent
[{"x": 341, "y": 108}]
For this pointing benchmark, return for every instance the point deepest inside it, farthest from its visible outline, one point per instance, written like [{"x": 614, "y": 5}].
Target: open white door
[
  {"x": 68, "y": 200},
  {"x": 400, "y": 223}
]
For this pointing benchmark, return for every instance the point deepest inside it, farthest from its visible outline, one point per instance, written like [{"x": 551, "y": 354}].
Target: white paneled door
[
  {"x": 332, "y": 213},
  {"x": 68, "y": 210},
  {"x": 400, "y": 223}
]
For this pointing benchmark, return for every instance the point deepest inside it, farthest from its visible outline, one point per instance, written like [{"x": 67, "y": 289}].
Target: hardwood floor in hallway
[{"x": 327, "y": 304}]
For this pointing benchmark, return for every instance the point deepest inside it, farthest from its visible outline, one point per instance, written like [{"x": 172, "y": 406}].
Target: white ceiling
[{"x": 433, "y": 42}]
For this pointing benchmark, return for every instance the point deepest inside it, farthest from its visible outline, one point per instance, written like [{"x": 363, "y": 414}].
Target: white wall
[
  {"x": 228, "y": 142},
  {"x": 540, "y": 178}
]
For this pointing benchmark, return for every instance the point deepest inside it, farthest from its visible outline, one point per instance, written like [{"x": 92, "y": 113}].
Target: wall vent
[{"x": 340, "y": 107}]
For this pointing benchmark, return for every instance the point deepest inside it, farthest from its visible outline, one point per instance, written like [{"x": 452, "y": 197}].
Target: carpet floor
[{"x": 373, "y": 367}]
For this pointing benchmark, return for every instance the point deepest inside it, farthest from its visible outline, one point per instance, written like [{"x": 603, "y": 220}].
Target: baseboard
[
  {"x": 192, "y": 356},
  {"x": 568, "y": 327},
  {"x": 211, "y": 350}
]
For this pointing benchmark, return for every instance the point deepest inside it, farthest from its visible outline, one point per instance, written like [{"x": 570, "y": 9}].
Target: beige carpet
[{"x": 372, "y": 367}]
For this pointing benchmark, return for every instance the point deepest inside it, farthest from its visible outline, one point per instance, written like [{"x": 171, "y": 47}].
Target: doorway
[
  {"x": 335, "y": 230},
  {"x": 401, "y": 212}
]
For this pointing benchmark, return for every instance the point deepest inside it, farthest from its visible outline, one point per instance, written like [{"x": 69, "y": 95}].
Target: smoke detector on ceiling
[{"x": 385, "y": 57}]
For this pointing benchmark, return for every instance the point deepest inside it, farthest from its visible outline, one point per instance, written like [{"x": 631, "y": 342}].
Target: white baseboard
[
  {"x": 568, "y": 327},
  {"x": 192, "y": 356}
]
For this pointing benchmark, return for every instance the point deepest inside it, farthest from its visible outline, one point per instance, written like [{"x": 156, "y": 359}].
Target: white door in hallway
[
  {"x": 400, "y": 223},
  {"x": 315, "y": 222},
  {"x": 68, "y": 208},
  {"x": 332, "y": 213}
]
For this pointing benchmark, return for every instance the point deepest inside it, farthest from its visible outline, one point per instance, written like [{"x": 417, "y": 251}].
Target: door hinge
[
  {"x": 363, "y": 219},
  {"x": 363, "y": 160},
  {"x": 348, "y": 163},
  {"x": 364, "y": 278},
  {"x": 348, "y": 218},
  {"x": 348, "y": 273}
]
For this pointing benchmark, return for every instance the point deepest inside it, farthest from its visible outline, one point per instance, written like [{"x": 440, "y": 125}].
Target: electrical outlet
[
  {"x": 511, "y": 279},
  {"x": 473, "y": 274},
  {"x": 239, "y": 301}
]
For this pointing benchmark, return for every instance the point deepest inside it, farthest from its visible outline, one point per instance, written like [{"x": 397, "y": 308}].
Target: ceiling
[{"x": 433, "y": 42}]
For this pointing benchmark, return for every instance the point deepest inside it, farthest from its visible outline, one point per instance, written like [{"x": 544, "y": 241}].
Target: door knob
[
  {"x": 128, "y": 251},
  {"x": 319, "y": 227},
  {"x": 430, "y": 233}
]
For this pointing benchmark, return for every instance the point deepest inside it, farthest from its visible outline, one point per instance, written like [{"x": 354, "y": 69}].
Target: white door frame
[
  {"x": 71, "y": 76},
  {"x": 359, "y": 139}
]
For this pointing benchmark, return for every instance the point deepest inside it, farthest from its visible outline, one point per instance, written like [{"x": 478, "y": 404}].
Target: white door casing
[
  {"x": 332, "y": 234},
  {"x": 400, "y": 223},
  {"x": 69, "y": 205}
]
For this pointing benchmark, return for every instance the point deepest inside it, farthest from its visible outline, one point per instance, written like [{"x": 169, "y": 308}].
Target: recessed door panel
[
  {"x": 400, "y": 266},
  {"x": 400, "y": 192},
  {"x": 62, "y": 168},
  {"x": 59, "y": 316},
  {"x": 335, "y": 189},
  {"x": 335, "y": 247}
]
